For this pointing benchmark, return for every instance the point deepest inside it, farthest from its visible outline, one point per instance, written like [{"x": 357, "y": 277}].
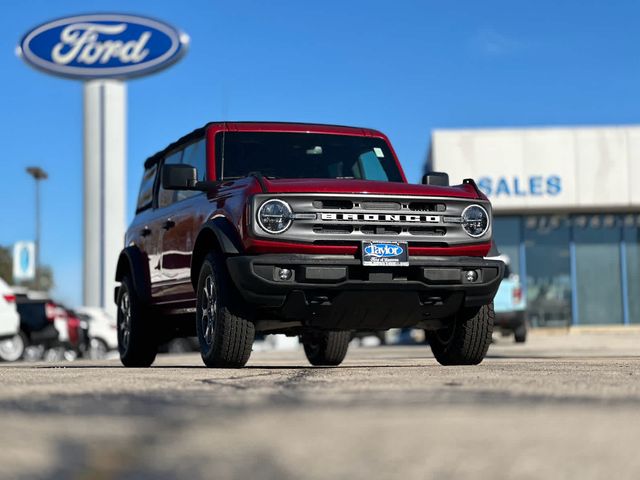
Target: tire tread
[
  {"x": 333, "y": 347},
  {"x": 143, "y": 345},
  {"x": 233, "y": 334},
  {"x": 470, "y": 342}
]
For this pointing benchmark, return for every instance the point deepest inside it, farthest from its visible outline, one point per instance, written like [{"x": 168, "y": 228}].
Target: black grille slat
[
  {"x": 380, "y": 230},
  {"x": 381, "y": 205},
  {"x": 330, "y": 204},
  {"x": 333, "y": 229},
  {"x": 434, "y": 231},
  {"x": 427, "y": 207}
]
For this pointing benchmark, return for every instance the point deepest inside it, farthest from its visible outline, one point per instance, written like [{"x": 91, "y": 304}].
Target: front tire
[
  {"x": 326, "y": 348},
  {"x": 137, "y": 342},
  {"x": 225, "y": 338},
  {"x": 466, "y": 340}
]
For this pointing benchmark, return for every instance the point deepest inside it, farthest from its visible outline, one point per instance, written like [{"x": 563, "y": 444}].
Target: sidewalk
[{"x": 605, "y": 342}]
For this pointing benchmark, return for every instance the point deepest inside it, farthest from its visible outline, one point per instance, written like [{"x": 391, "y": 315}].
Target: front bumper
[{"x": 337, "y": 291}]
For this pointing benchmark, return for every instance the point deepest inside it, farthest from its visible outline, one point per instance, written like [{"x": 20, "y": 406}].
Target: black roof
[
  {"x": 199, "y": 133},
  {"x": 196, "y": 134}
]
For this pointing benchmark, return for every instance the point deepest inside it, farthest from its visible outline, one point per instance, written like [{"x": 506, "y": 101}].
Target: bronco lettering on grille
[{"x": 375, "y": 217}]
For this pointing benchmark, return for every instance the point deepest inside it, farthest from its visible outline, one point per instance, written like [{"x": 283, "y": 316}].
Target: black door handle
[
  {"x": 168, "y": 224},
  {"x": 145, "y": 232}
]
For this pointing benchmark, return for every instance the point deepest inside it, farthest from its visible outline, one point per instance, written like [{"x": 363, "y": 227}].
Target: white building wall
[{"x": 545, "y": 168}]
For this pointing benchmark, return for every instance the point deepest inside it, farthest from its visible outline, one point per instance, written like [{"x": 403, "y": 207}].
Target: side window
[
  {"x": 194, "y": 155},
  {"x": 145, "y": 195},
  {"x": 167, "y": 197}
]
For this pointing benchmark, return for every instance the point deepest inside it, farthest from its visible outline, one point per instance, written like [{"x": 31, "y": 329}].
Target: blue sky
[{"x": 403, "y": 67}]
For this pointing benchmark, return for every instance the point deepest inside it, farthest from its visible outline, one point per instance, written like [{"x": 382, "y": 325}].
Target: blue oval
[
  {"x": 383, "y": 250},
  {"x": 103, "y": 46},
  {"x": 25, "y": 259}
]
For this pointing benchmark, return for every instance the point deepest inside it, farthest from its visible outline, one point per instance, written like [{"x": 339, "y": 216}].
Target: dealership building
[{"x": 566, "y": 211}]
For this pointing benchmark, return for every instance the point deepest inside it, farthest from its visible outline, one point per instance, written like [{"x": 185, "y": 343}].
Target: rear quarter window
[{"x": 145, "y": 195}]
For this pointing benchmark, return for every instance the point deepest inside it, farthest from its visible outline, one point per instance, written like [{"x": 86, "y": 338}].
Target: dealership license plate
[{"x": 387, "y": 254}]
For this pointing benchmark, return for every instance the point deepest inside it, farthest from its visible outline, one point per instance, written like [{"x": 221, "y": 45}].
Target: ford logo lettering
[
  {"x": 102, "y": 46},
  {"x": 383, "y": 250}
]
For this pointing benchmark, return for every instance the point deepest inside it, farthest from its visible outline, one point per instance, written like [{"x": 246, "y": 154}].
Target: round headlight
[
  {"x": 475, "y": 220},
  {"x": 275, "y": 216}
]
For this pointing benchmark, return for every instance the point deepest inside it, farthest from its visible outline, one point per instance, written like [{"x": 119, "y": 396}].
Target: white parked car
[
  {"x": 103, "y": 330},
  {"x": 12, "y": 343}
]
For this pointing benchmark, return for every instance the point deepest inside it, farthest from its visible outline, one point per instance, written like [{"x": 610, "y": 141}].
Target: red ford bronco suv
[{"x": 301, "y": 229}]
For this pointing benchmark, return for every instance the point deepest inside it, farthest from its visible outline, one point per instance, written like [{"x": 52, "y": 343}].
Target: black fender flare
[
  {"x": 136, "y": 263},
  {"x": 216, "y": 234}
]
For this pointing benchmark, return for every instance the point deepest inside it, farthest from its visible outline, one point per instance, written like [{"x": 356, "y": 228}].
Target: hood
[{"x": 315, "y": 185}]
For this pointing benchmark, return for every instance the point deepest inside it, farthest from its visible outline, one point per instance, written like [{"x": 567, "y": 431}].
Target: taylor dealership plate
[{"x": 385, "y": 254}]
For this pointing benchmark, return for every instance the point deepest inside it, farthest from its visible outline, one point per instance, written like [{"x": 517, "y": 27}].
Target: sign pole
[
  {"x": 37, "y": 252},
  {"x": 38, "y": 175},
  {"x": 104, "y": 188}
]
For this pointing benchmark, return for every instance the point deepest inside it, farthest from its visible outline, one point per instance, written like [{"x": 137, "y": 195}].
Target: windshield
[{"x": 304, "y": 155}]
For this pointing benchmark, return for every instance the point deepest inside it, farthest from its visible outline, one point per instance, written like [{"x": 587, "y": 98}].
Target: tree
[
  {"x": 6, "y": 265},
  {"x": 6, "y": 272},
  {"x": 46, "y": 280}
]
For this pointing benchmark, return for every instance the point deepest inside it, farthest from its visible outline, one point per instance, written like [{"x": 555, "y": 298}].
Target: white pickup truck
[{"x": 510, "y": 305}]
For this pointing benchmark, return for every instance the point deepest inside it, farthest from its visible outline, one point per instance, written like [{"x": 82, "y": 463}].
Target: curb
[{"x": 586, "y": 330}]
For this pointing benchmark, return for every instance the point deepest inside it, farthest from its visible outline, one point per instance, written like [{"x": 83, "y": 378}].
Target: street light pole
[{"x": 38, "y": 174}]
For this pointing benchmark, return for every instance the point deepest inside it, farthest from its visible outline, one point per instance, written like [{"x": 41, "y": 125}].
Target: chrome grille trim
[{"x": 343, "y": 218}]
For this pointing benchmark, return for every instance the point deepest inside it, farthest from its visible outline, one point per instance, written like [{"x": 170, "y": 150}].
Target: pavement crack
[
  {"x": 237, "y": 382},
  {"x": 294, "y": 380},
  {"x": 237, "y": 386}
]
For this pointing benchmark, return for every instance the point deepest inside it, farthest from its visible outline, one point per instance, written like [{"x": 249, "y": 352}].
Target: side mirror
[
  {"x": 440, "y": 179},
  {"x": 179, "y": 177}
]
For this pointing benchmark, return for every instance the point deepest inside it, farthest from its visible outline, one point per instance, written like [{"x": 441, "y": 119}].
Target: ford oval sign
[{"x": 103, "y": 46}]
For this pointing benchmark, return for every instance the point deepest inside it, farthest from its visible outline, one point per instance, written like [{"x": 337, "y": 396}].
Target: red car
[
  {"x": 302, "y": 229},
  {"x": 73, "y": 339}
]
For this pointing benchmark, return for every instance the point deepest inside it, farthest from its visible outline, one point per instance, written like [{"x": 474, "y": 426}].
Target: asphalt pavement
[{"x": 558, "y": 407}]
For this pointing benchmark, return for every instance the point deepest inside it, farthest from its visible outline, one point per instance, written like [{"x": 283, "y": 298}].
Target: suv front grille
[
  {"x": 333, "y": 229},
  {"x": 340, "y": 219},
  {"x": 381, "y": 230}
]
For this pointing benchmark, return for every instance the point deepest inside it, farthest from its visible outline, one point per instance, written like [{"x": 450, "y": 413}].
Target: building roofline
[{"x": 519, "y": 129}]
